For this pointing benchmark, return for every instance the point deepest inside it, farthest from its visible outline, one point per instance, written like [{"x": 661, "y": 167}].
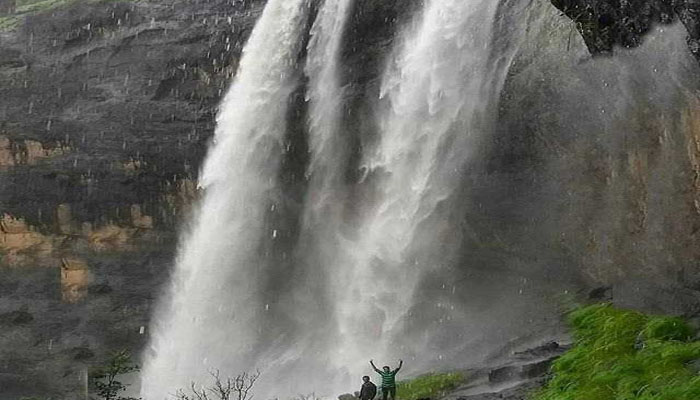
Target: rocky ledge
[{"x": 510, "y": 378}]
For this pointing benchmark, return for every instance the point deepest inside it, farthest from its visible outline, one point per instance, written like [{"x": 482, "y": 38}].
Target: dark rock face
[
  {"x": 543, "y": 350},
  {"x": 608, "y": 23},
  {"x": 16, "y": 318},
  {"x": 583, "y": 108},
  {"x": 106, "y": 112},
  {"x": 601, "y": 294},
  {"x": 90, "y": 80}
]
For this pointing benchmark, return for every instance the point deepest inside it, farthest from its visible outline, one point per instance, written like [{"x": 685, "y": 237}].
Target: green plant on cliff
[
  {"x": 428, "y": 386},
  {"x": 625, "y": 355},
  {"x": 106, "y": 381}
]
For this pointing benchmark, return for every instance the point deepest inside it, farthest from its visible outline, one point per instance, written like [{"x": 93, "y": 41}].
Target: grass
[
  {"x": 625, "y": 355},
  {"x": 9, "y": 23},
  {"x": 428, "y": 386}
]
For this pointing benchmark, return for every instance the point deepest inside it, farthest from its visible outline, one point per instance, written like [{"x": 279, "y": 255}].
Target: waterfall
[
  {"x": 434, "y": 93},
  {"x": 435, "y": 96},
  {"x": 325, "y": 96},
  {"x": 329, "y": 156},
  {"x": 212, "y": 316}
]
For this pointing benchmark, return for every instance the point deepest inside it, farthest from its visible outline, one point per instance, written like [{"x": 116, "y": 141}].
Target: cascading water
[
  {"x": 211, "y": 320},
  {"x": 427, "y": 125},
  {"x": 435, "y": 94},
  {"x": 325, "y": 96},
  {"x": 322, "y": 220}
]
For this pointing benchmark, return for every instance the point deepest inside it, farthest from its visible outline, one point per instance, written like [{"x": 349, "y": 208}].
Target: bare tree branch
[
  {"x": 310, "y": 396},
  {"x": 231, "y": 388}
]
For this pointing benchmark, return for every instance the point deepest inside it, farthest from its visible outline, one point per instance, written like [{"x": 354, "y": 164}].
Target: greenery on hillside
[
  {"x": 9, "y": 23},
  {"x": 625, "y": 355},
  {"x": 428, "y": 386}
]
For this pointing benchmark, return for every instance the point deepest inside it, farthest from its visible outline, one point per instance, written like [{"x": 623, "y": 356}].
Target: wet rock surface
[
  {"x": 106, "y": 112},
  {"x": 513, "y": 377}
]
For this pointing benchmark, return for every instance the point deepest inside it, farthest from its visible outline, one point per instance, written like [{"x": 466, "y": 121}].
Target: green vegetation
[
  {"x": 625, "y": 355},
  {"x": 428, "y": 386},
  {"x": 105, "y": 381},
  {"x": 8, "y": 23}
]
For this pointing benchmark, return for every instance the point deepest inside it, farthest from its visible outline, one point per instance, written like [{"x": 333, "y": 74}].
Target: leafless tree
[
  {"x": 310, "y": 396},
  {"x": 229, "y": 388}
]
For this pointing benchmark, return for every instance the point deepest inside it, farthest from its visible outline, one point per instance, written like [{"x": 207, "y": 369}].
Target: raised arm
[
  {"x": 371, "y": 362},
  {"x": 400, "y": 365}
]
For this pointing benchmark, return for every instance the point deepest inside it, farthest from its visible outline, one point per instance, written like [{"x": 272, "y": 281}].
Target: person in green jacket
[{"x": 388, "y": 379}]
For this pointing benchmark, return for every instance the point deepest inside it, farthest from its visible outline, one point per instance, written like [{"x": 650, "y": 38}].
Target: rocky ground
[
  {"x": 509, "y": 374},
  {"x": 514, "y": 377}
]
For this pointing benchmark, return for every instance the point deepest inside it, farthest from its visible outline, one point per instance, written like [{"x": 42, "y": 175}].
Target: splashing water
[
  {"x": 322, "y": 218},
  {"x": 434, "y": 95},
  {"x": 211, "y": 320}
]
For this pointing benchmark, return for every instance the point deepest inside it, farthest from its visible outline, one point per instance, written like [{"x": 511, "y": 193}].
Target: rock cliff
[{"x": 106, "y": 113}]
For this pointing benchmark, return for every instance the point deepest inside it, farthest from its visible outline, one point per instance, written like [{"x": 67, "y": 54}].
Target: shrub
[
  {"x": 106, "y": 380},
  {"x": 625, "y": 355},
  {"x": 667, "y": 328}
]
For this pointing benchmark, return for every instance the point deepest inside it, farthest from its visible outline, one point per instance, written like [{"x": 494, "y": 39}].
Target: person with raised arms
[{"x": 388, "y": 379}]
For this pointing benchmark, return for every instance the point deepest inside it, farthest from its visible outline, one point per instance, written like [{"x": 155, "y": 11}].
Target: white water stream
[
  {"x": 434, "y": 96},
  {"x": 210, "y": 321}
]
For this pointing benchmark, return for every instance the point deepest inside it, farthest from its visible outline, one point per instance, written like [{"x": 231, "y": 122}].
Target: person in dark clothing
[
  {"x": 388, "y": 379},
  {"x": 369, "y": 389}
]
